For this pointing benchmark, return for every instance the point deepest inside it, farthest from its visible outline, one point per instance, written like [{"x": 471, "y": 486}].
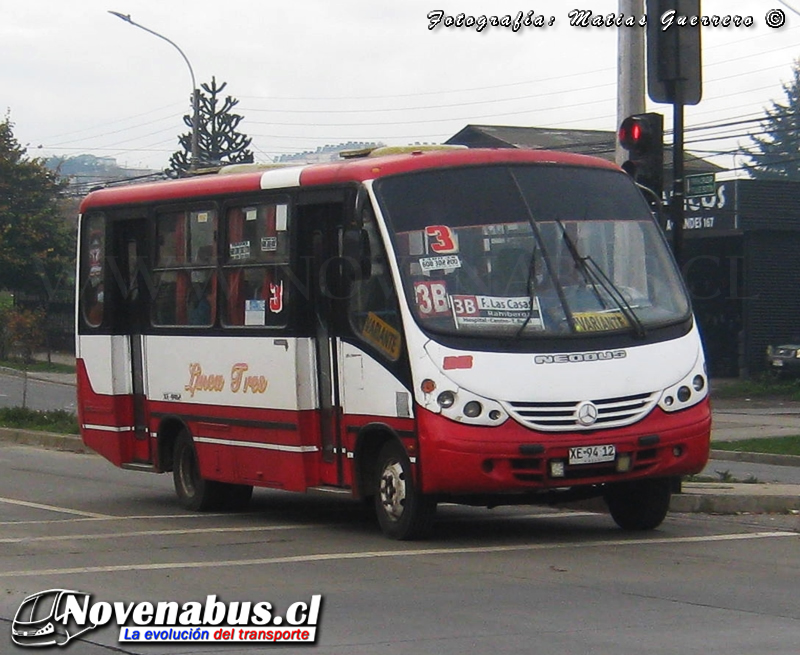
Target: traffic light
[{"x": 642, "y": 135}]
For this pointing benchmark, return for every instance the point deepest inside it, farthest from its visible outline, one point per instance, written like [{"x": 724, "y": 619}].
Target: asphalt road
[{"x": 510, "y": 580}]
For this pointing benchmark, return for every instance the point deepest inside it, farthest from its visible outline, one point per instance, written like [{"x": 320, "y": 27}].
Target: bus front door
[
  {"x": 330, "y": 412},
  {"x": 131, "y": 315}
]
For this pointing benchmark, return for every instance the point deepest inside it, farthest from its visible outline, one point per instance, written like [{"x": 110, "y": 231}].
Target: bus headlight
[
  {"x": 466, "y": 407},
  {"x": 446, "y": 399},
  {"x": 687, "y": 392},
  {"x": 473, "y": 409}
]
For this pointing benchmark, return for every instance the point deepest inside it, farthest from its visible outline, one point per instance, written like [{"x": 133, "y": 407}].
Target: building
[{"x": 599, "y": 143}]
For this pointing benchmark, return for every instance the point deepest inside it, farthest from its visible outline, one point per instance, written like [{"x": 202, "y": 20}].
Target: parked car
[{"x": 785, "y": 358}]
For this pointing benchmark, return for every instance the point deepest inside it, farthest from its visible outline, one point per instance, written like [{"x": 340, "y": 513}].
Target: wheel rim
[{"x": 393, "y": 490}]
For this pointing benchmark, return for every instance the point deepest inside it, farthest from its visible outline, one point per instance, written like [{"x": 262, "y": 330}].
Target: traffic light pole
[{"x": 676, "y": 205}]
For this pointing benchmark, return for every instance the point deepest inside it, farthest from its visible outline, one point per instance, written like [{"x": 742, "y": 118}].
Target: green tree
[
  {"x": 218, "y": 140},
  {"x": 776, "y": 151},
  {"x": 37, "y": 246}
]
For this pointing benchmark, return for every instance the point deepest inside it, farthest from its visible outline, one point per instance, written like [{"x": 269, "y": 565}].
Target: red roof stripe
[{"x": 346, "y": 171}]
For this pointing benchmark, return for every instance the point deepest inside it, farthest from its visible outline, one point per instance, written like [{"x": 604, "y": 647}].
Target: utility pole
[{"x": 630, "y": 68}]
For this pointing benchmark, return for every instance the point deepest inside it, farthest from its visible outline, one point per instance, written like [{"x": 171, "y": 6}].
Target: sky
[{"x": 309, "y": 73}]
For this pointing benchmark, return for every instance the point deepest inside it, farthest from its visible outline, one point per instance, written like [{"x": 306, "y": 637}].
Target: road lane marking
[
  {"x": 53, "y": 508},
  {"x": 111, "y": 517},
  {"x": 141, "y": 517},
  {"x": 211, "y": 530},
  {"x": 152, "y": 533},
  {"x": 329, "y": 557}
]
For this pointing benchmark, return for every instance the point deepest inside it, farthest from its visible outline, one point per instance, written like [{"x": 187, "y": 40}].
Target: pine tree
[
  {"x": 218, "y": 140},
  {"x": 36, "y": 244},
  {"x": 777, "y": 150}
]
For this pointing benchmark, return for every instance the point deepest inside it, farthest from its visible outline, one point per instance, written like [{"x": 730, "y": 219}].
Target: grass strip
[
  {"x": 759, "y": 387},
  {"x": 58, "y": 420},
  {"x": 769, "y": 445},
  {"x": 37, "y": 367}
]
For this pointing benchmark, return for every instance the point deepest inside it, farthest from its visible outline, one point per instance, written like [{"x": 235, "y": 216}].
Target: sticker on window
[
  {"x": 276, "y": 297},
  {"x": 382, "y": 335},
  {"x": 441, "y": 239},
  {"x": 240, "y": 250},
  {"x": 496, "y": 311},
  {"x": 431, "y": 297},
  {"x": 255, "y": 311},
  {"x": 443, "y": 263},
  {"x": 600, "y": 321}
]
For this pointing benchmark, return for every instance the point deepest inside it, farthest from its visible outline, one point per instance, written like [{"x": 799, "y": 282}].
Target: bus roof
[{"x": 341, "y": 172}]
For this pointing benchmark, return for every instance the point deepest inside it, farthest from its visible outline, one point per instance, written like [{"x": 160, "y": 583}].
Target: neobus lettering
[{"x": 570, "y": 358}]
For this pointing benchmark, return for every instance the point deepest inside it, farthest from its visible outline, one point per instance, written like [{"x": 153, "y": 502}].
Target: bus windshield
[{"x": 530, "y": 251}]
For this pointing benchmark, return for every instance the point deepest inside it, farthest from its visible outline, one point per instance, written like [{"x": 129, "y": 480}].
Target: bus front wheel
[
  {"x": 640, "y": 505},
  {"x": 403, "y": 511}
]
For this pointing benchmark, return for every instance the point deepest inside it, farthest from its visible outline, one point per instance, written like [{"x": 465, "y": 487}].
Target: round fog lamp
[
  {"x": 698, "y": 382},
  {"x": 446, "y": 399},
  {"x": 473, "y": 409},
  {"x": 684, "y": 393}
]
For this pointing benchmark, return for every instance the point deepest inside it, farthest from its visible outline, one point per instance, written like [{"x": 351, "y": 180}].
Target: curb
[
  {"x": 755, "y": 458},
  {"x": 66, "y": 442},
  {"x": 741, "y": 498},
  {"x": 66, "y": 379}
]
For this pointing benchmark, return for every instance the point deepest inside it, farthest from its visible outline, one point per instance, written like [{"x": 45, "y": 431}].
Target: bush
[{"x": 58, "y": 420}]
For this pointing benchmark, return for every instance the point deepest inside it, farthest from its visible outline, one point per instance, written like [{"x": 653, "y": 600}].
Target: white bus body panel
[
  {"x": 108, "y": 363},
  {"x": 216, "y": 370},
  {"x": 514, "y": 377},
  {"x": 367, "y": 388}
]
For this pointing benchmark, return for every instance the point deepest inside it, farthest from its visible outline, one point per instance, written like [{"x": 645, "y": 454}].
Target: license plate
[
  {"x": 592, "y": 454},
  {"x": 777, "y": 362}
]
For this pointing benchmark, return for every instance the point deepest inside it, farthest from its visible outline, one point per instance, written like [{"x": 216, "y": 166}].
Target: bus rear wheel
[
  {"x": 640, "y": 505},
  {"x": 404, "y": 513},
  {"x": 198, "y": 494},
  {"x": 194, "y": 492}
]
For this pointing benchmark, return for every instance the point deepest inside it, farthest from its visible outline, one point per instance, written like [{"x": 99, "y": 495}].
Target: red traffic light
[
  {"x": 633, "y": 133},
  {"x": 642, "y": 135}
]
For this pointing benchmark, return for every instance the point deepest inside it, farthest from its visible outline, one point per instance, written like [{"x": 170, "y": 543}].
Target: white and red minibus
[{"x": 476, "y": 326}]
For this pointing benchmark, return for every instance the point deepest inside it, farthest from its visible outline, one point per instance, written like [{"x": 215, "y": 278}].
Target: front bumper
[{"x": 459, "y": 459}]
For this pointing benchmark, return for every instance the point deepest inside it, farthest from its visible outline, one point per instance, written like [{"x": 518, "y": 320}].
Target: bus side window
[
  {"x": 257, "y": 247},
  {"x": 374, "y": 313},
  {"x": 185, "y": 268},
  {"x": 93, "y": 296}
]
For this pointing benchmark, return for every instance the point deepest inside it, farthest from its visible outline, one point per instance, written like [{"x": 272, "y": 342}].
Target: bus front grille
[{"x": 564, "y": 416}]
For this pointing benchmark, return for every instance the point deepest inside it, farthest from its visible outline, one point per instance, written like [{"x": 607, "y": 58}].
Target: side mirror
[{"x": 362, "y": 201}]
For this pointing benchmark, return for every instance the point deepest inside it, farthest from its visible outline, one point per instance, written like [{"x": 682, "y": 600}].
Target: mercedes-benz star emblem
[{"x": 586, "y": 413}]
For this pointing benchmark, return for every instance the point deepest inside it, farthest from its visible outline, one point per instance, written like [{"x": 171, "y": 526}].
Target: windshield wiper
[
  {"x": 594, "y": 275},
  {"x": 548, "y": 266}
]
